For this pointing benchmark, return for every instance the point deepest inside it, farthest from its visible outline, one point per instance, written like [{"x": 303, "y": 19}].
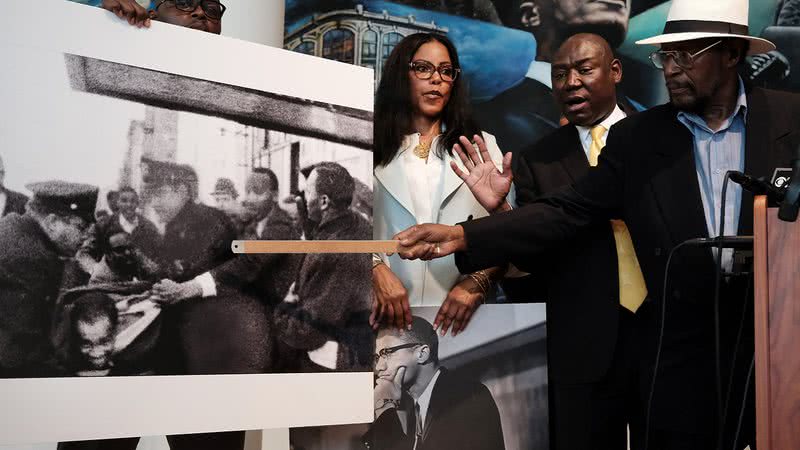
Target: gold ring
[{"x": 438, "y": 250}]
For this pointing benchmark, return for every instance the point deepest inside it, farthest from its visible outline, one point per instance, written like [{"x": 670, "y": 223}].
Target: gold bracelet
[
  {"x": 376, "y": 260},
  {"x": 481, "y": 280}
]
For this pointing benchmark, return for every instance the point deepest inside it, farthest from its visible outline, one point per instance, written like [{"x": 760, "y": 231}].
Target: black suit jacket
[
  {"x": 646, "y": 176},
  {"x": 268, "y": 276},
  {"x": 15, "y": 203},
  {"x": 579, "y": 278},
  {"x": 462, "y": 415},
  {"x": 31, "y": 269}
]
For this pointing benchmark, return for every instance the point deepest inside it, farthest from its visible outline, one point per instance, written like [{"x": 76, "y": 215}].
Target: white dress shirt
[
  {"x": 424, "y": 178},
  {"x": 424, "y": 400},
  {"x": 128, "y": 226}
]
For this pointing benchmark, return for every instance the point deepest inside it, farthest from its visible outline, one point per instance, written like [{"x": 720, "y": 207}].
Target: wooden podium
[{"x": 777, "y": 328}]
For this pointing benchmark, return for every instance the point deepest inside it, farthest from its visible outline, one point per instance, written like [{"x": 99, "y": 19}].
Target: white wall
[{"x": 254, "y": 20}]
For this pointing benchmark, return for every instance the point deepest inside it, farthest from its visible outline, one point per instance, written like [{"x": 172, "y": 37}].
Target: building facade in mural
[{"x": 356, "y": 36}]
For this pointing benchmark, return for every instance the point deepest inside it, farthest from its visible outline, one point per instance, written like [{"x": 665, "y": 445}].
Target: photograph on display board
[
  {"x": 484, "y": 389},
  {"x": 129, "y": 262},
  {"x": 125, "y": 175},
  {"x": 124, "y": 187}
]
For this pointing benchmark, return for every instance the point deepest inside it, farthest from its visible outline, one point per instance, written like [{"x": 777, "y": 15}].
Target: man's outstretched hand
[
  {"x": 430, "y": 241},
  {"x": 129, "y": 10},
  {"x": 488, "y": 185}
]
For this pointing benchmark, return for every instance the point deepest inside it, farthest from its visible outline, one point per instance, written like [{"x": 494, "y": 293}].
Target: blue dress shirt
[{"x": 716, "y": 152}]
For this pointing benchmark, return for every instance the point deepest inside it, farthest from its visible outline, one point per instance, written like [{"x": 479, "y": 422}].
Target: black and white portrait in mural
[{"x": 484, "y": 389}]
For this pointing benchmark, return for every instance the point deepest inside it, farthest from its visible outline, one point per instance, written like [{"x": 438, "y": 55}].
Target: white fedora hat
[{"x": 699, "y": 19}]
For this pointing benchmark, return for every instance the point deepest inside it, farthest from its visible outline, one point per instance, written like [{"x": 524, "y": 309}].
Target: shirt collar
[
  {"x": 540, "y": 71},
  {"x": 616, "y": 115},
  {"x": 126, "y": 224},
  {"x": 692, "y": 120}
]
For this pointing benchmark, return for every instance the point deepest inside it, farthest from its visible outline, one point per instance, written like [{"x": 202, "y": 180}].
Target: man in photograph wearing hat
[
  {"x": 662, "y": 172},
  {"x": 33, "y": 250},
  {"x": 225, "y": 194}
]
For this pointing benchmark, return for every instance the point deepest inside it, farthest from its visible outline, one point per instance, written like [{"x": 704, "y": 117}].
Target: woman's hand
[
  {"x": 390, "y": 302},
  {"x": 458, "y": 307},
  {"x": 488, "y": 185}
]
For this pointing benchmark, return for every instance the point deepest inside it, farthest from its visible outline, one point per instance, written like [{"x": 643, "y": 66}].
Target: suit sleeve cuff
[
  {"x": 480, "y": 253},
  {"x": 207, "y": 284}
]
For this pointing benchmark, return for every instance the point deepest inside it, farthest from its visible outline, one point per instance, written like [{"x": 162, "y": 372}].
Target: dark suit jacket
[
  {"x": 646, "y": 176},
  {"x": 31, "y": 270},
  {"x": 267, "y": 276},
  {"x": 15, "y": 203},
  {"x": 580, "y": 277},
  {"x": 462, "y": 415},
  {"x": 333, "y": 291},
  {"x": 215, "y": 335}
]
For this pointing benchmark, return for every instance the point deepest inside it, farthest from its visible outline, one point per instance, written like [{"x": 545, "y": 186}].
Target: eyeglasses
[
  {"x": 682, "y": 58},
  {"x": 424, "y": 70},
  {"x": 213, "y": 8},
  {"x": 387, "y": 352}
]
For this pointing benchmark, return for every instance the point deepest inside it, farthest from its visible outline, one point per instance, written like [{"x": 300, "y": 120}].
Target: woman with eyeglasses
[
  {"x": 421, "y": 109},
  {"x": 204, "y": 15}
]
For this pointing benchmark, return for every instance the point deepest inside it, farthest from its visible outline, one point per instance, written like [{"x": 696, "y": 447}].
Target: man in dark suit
[
  {"x": 263, "y": 276},
  {"x": 326, "y": 314},
  {"x": 662, "y": 172},
  {"x": 420, "y": 405},
  {"x": 588, "y": 331},
  {"x": 10, "y": 201},
  {"x": 33, "y": 250},
  {"x": 525, "y": 112}
]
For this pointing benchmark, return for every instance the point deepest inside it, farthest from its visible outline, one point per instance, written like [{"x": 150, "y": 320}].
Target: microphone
[
  {"x": 757, "y": 186},
  {"x": 735, "y": 242},
  {"x": 791, "y": 201}
]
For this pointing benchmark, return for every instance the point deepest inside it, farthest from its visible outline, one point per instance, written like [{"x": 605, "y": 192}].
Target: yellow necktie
[{"x": 632, "y": 290}]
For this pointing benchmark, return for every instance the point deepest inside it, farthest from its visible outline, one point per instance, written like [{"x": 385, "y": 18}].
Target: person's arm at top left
[{"x": 134, "y": 13}]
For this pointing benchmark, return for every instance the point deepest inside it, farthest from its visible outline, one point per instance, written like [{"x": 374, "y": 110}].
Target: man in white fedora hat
[{"x": 662, "y": 172}]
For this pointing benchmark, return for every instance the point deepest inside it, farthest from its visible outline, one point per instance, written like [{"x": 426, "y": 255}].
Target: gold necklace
[{"x": 422, "y": 150}]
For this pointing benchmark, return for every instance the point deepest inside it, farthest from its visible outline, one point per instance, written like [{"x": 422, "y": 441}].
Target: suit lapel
[
  {"x": 451, "y": 182},
  {"x": 675, "y": 185},
  {"x": 392, "y": 177},
  {"x": 574, "y": 162},
  {"x": 439, "y": 403}
]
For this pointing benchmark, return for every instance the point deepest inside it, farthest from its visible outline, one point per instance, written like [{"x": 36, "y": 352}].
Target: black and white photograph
[
  {"x": 484, "y": 389},
  {"x": 123, "y": 186}
]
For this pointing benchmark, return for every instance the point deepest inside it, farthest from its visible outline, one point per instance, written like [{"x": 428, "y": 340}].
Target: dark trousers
[
  {"x": 686, "y": 373},
  {"x": 230, "y": 440},
  {"x": 594, "y": 416}
]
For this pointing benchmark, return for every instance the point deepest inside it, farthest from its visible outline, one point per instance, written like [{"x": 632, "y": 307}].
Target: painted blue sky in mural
[{"x": 478, "y": 43}]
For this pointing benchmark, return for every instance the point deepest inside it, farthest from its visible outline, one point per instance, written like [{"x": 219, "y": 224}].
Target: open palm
[{"x": 488, "y": 185}]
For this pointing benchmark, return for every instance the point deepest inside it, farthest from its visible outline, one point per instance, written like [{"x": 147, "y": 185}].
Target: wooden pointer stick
[{"x": 315, "y": 246}]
